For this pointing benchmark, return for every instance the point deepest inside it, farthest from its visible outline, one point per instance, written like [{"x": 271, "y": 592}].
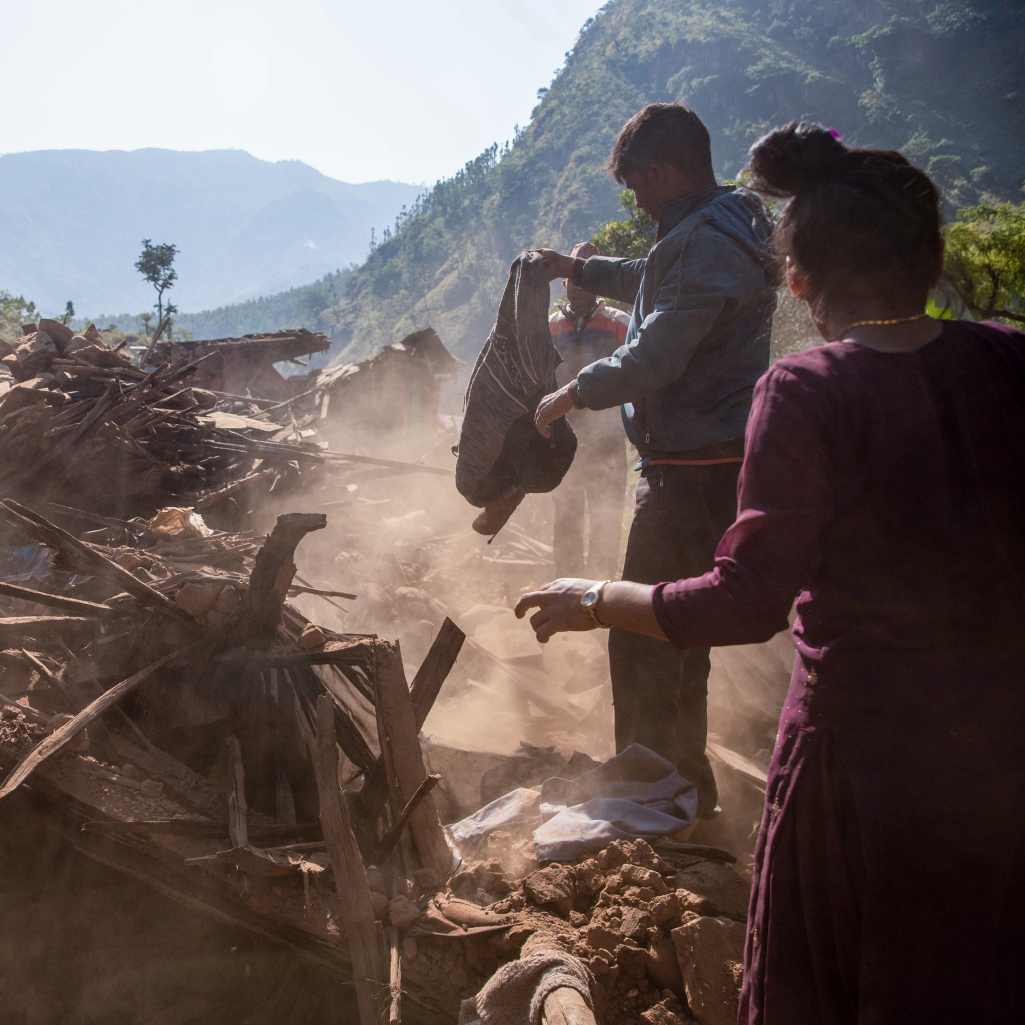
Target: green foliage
[
  {"x": 156, "y": 265},
  {"x": 14, "y": 311},
  {"x": 69, "y": 312},
  {"x": 631, "y": 237},
  {"x": 938, "y": 80},
  {"x": 985, "y": 260}
]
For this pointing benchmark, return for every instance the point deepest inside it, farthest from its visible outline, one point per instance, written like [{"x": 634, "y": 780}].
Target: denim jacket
[{"x": 698, "y": 339}]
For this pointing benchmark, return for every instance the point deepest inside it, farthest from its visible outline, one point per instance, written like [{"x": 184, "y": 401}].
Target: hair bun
[{"x": 799, "y": 157}]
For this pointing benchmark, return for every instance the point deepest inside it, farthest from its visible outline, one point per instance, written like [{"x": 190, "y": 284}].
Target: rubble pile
[
  {"x": 171, "y": 711},
  {"x": 660, "y": 928},
  {"x": 82, "y": 426}
]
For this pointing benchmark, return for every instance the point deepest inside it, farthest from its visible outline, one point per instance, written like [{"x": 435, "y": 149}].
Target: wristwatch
[{"x": 589, "y": 602}]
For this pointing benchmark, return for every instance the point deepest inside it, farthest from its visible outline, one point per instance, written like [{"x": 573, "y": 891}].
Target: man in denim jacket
[{"x": 697, "y": 342}]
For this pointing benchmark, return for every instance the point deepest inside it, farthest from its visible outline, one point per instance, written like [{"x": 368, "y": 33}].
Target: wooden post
[
  {"x": 238, "y": 824},
  {"x": 426, "y": 686},
  {"x": 397, "y": 729},
  {"x": 395, "y": 1008},
  {"x": 566, "y": 1006},
  {"x": 356, "y": 912}
]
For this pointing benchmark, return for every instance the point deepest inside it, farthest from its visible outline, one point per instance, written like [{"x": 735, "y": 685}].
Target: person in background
[
  {"x": 584, "y": 330},
  {"x": 883, "y": 484},
  {"x": 697, "y": 341}
]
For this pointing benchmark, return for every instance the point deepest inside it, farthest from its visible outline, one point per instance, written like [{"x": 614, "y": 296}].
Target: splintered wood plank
[
  {"x": 396, "y": 723},
  {"x": 434, "y": 669},
  {"x": 238, "y": 822},
  {"x": 355, "y": 907},
  {"x": 427, "y": 685},
  {"x": 55, "y": 601},
  {"x": 55, "y": 741}
]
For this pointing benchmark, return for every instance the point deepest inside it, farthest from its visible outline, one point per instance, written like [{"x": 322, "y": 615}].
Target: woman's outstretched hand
[
  {"x": 558, "y": 605},
  {"x": 623, "y": 604}
]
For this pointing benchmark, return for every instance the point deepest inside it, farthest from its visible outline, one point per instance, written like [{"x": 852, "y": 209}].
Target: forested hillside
[
  {"x": 944, "y": 82},
  {"x": 297, "y": 307}
]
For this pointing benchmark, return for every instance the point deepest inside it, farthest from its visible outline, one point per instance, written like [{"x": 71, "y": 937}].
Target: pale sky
[{"x": 401, "y": 89}]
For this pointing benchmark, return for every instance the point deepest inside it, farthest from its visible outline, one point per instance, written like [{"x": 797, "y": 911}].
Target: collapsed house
[
  {"x": 243, "y": 366},
  {"x": 390, "y": 399},
  {"x": 171, "y": 712}
]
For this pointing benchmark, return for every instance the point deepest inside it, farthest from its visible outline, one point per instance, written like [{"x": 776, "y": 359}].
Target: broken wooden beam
[
  {"x": 397, "y": 732},
  {"x": 427, "y": 685},
  {"x": 260, "y": 612},
  {"x": 356, "y": 909},
  {"x": 391, "y": 838},
  {"x": 55, "y": 741},
  {"x": 14, "y": 627},
  {"x": 434, "y": 669},
  {"x": 55, "y": 601},
  {"x": 395, "y": 978},
  {"x": 238, "y": 812}
]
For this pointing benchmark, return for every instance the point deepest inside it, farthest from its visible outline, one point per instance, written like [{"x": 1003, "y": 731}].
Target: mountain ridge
[{"x": 71, "y": 222}]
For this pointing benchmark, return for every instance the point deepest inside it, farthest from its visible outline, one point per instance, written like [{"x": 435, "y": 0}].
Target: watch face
[{"x": 590, "y": 598}]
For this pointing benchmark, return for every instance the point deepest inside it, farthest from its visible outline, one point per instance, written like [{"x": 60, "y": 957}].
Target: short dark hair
[
  {"x": 662, "y": 133},
  {"x": 858, "y": 221}
]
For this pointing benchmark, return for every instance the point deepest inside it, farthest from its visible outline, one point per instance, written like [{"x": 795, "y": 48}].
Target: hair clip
[{"x": 836, "y": 135}]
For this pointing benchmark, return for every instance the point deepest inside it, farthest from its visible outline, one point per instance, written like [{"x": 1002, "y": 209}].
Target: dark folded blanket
[{"x": 501, "y": 454}]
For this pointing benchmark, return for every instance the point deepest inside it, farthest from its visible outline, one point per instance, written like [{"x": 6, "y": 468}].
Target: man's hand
[
  {"x": 559, "y": 607},
  {"x": 557, "y": 265},
  {"x": 550, "y": 408}
]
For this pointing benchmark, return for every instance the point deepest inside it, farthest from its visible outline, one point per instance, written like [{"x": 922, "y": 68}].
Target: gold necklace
[{"x": 864, "y": 323}]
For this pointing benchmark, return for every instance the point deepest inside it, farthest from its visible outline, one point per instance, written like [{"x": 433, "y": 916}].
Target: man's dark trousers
[{"x": 661, "y": 692}]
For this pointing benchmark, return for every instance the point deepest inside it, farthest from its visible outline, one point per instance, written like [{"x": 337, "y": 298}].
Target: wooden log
[
  {"x": 260, "y": 613},
  {"x": 565, "y": 1006},
  {"x": 395, "y": 978},
  {"x": 397, "y": 730},
  {"x": 60, "y": 736},
  {"x": 391, "y": 838},
  {"x": 427, "y": 684},
  {"x": 236, "y": 487},
  {"x": 303, "y": 589},
  {"x": 55, "y": 601},
  {"x": 356, "y": 910},
  {"x": 13, "y": 627},
  {"x": 238, "y": 811}
]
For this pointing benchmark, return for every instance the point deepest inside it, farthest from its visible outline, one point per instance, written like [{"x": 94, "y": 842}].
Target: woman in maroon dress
[{"x": 883, "y": 486}]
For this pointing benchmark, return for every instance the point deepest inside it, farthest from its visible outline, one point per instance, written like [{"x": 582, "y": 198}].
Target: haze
[{"x": 392, "y": 89}]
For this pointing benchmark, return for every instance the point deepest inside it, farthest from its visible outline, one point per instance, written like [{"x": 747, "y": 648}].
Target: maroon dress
[{"x": 887, "y": 491}]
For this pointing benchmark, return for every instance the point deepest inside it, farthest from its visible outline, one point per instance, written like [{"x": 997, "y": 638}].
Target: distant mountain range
[{"x": 72, "y": 221}]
